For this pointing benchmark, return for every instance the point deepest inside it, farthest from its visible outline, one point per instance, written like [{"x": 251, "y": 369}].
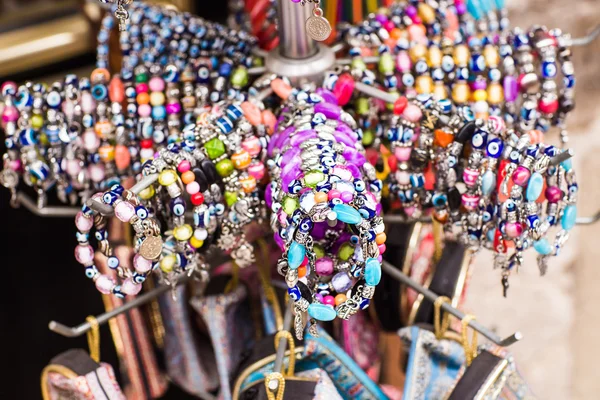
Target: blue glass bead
[
  {"x": 113, "y": 262},
  {"x": 474, "y": 8},
  {"x": 477, "y": 63},
  {"x": 234, "y": 112},
  {"x": 543, "y": 247},
  {"x": 364, "y": 303},
  {"x": 569, "y": 217},
  {"x": 159, "y": 113},
  {"x": 567, "y": 164},
  {"x": 488, "y": 182},
  {"x": 534, "y": 187},
  {"x": 225, "y": 125},
  {"x": 321, "y": 312},
  {"x": 294, "y": 293},
  {"x": 27, "y": 137},
  {"x": 39, "y": 170},
  {"x": 53, "y": 99},
  {"x": 494, "y": 148},
  {"x": 372, "y": 271},
  {"x": 549, "y": 69},
  {"x": 533, "y": 221},
  {"x": 99, "y": 92},
  {"x": 347, "y": 214},
  {"x": 296, "y": 254},
  {"x": 82, "y": 237},
  {"x": 91, "y": 271},
  {"x": 439, "y": 200}
]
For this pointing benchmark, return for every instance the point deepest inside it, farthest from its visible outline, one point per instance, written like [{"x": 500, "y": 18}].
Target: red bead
[
  {"x": 393, "y": 163},
  {"x": 197, "y": 199},
  {"x": 548, "y": 106},
  {"x": 400, "y": 105},
  {"x": 343, "y": 89},
  {"x": 146, "y": 143}
]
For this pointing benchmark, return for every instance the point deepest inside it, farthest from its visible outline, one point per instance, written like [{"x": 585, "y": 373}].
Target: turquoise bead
[
  {"x": 567, "y": 164},
  {"x": 474, "y": 8},
  {"x": 499, "y": 4},
  {"x": 321, "y": 312},
  {"x": 542, "y": 246},
  {"x": 347, "y": 214},
  {"x": 535, "y": 187},
  {"x": 488, "y": 182},
  {"x": 372, "y": 272},
  {"x": 569, "y": 217},
  {"x": 296, "y": 254},
  {"x": 490, "y": 234},
  {"x": 486, "y": 6}
]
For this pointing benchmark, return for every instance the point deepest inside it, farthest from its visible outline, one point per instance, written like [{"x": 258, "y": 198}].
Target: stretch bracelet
[{"x": 325, "y": 202}]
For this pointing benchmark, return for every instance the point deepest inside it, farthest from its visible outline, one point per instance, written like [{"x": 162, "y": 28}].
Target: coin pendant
[
  {"x": 318, "y": 28},
  {"x": 151, "y": 247}
]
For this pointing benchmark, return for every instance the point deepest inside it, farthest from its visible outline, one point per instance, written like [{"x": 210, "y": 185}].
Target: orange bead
[
  {"x": 100, "y": 75},
  {"x": 122, "y": 157},
  {"x": 269, "y": 120},
  {"x": 188, "y": 177},
  {"x": 340, "y": 298},
  {"x": 380, "y": 238},
  {"x": 396, "y": 33},
  {"x": 281, "y": 88},
  {"x": 535, "y": 136},
  {"x": 320, "y": 197},
  {"x": 143, "y": 98},
  {"x": 443, "y": 138},
  {"x": 248, "y": 184},
  {"x": 106, "y": 153},
  {"x": 241, "y": 159},
  {"x": 252, "y": 113},
  {"x": 116, "y": 90},
  {"x": 301, "y": 272},
  {"x": 103, "y": 128}
]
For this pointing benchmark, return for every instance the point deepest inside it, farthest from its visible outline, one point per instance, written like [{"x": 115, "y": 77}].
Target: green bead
[
  {"x": 362, "y": 106},
  {"x": 142, "y": 77},
  {"x": 231, "y": 198},
  {"x": 239, "y": 78},
  {"x": 368, "y": 138},
  {"x": 358, "y": 64},
  {"x": 225, "y": 167},
  {"x": 319, "y": 251},
  {"x": 215, "y": 148},
  {"x": 346, "y": 251},
  {"x": 37, "y": 121},
  {"x": 290, "y": 204},
  {"x": 312, "y": 178},
  {"x": 386, "y": 64}
]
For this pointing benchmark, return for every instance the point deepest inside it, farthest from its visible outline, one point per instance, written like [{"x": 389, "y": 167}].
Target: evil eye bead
[
  {"x": 551, "y": 151},
  {"x": 514, "y": 156},
  {"x": 109, "y": 197},
  {"x": 302, "y": 96},
  {"x": 335, "y": 202},
  {"x": 118, "y": 189},
  {"x": 439, "y": 200},
  {"x": 447, "y": 63},
  {"x": 327, "y": 162},
  {"x": 101, "y": 235},
  {"x": 296, "y": 217},
  {"x": 171, "y": 74},
  {"x": 532, "y": 151},
  {"x": 219, "y": 209},
  {"x": 295, "y": 187},
  {"x": 139, "y": 278},
  {"x": 141, "y": 212},
  {"x": 408, "y": 135},
  {"x": 451, "y": 160},
  {"x": 533, "y": 221},
  {"x": 319, "y": 118},
  {"x": 479, "y": 138},
  {"x": 294, "y": 293},
  {"x": 510, "y": 206},
  {"x": 549, "y": 69},
  {"x": 356, "y": 270},
  {"x": 445, "y": 105},
  {"x": 203, "y": 74},
  {"x": 393, "y": 134},
  {"x": 359, "y": 185},
  {"x": 314, "y": 98},
  {"x": 408, "y": 80},
  {"x": 354, "y": 239},
  {"x": 112, "y": 262},
  {"x": 91, "y": 271},
  {"x": 99, "y": 92},
  {"x": 494, "y": 148},
  {"x": 27, "y": 137},
  {"x": 366, "y": 212},
  {"x": 306, "y": 225}
]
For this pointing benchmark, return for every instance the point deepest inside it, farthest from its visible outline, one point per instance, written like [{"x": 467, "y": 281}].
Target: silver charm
[{"x": 317, "y": 27}]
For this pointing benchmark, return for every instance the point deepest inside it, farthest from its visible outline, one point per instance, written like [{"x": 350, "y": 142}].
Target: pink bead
[
  {"x": 124, "y": 210},
  {"x": 403, "y": 63},
  {"x": 83, "y": 223},
  {"x": 382, "y": 248},
  {"x": 470, "y": 201},
  {"x": 8, "y": 87},
  {"x": 84, "y": 254},
  {"x": 513, "y": 229},
  {"x": 130, "y": 288},
  {"x": 73, "y": 167},
  {"x": 413, "y": 113},
  {"x": 304, "y": 262},
  {"x": 91, "y": 141},
  {"x": 10, "y": 114},
  {"x": 470, "y": 176},
  {"x": 380, "y": 259},
  {"x": 410, "y": 211},
  {"x": 96, "y": 172},
  {"x": 141, "y": 264},
  {"x": 333, "y": 194},
  {"x": 521, "y": 176},
  {"x": 548, "y": 106},
  {"x": 324, "y": 266},
  {"x": 257, "y": 170},
  {"x": 192, "y": 187},
  {"x": 403, "y": 177},
  {"x": 402, "y": 153},
  {"x": 141, "y": 88},
  {"x": 104, "y": 284},
  {"x": 88, "y": 104},
  {"x": 144, "y": 110},
  {"x": 173, "y": 108},
  {"x": 343, "y": 89},
  {"x": 252, "y": 146},
  {"x": 553, "y": 194},
  {"x": 184, "y": 166},
  {"x": 15, "y": 165},
  {"x": 389, "y": 25},
  {"x": 329, "y": 300},
  {"x": 498, "y": 125},
  {"x": 347, "y": 197},
  {"x": 156, "y": 84}
]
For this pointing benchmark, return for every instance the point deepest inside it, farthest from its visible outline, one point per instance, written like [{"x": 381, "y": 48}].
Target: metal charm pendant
[
  {"x": 317, "y": 27},
  {"x": 151, "y": 247}
]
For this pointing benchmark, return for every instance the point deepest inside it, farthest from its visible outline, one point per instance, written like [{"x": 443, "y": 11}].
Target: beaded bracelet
[
  {"x": 148, "y": 242},
  {"x": 324, "y": 198}
]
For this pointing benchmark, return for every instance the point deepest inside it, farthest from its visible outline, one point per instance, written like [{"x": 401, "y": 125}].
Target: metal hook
[
  {"x": 107, "y": 210},
  {"x": 431, "y": 296},
  {"x": 46, "y": 211},
  {"x": 584, "y": 41}
]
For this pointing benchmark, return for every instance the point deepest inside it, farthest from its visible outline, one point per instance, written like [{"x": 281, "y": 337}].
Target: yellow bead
[
  {"x": 167, "y": 177},
  {"x": 461, "y": 55},
  {"x": 37, "y": 121},
  {"x": 460, "y": 92},
  {"x": 183, "y": 232},
  {"x": 492, "y": 58},
  {"x": 424, "y": 84},
  {"x": 196, "y": 243},
  {"x": 434, "y": 57},
  {"x": 168, "y": 263},
  {"x": 480, "y": 95},
  {"x": 440, "y": 92},
  {"x": 495, "y": 93},
  {"x": 157, "y": 98},
  {"x": 319, "y": 251},
  {"x": 147, "y": 193},
  {"x": 426, "y": 13},
  {"x": 320, "y": 197},
  {"x": 417, "y": 52}
]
